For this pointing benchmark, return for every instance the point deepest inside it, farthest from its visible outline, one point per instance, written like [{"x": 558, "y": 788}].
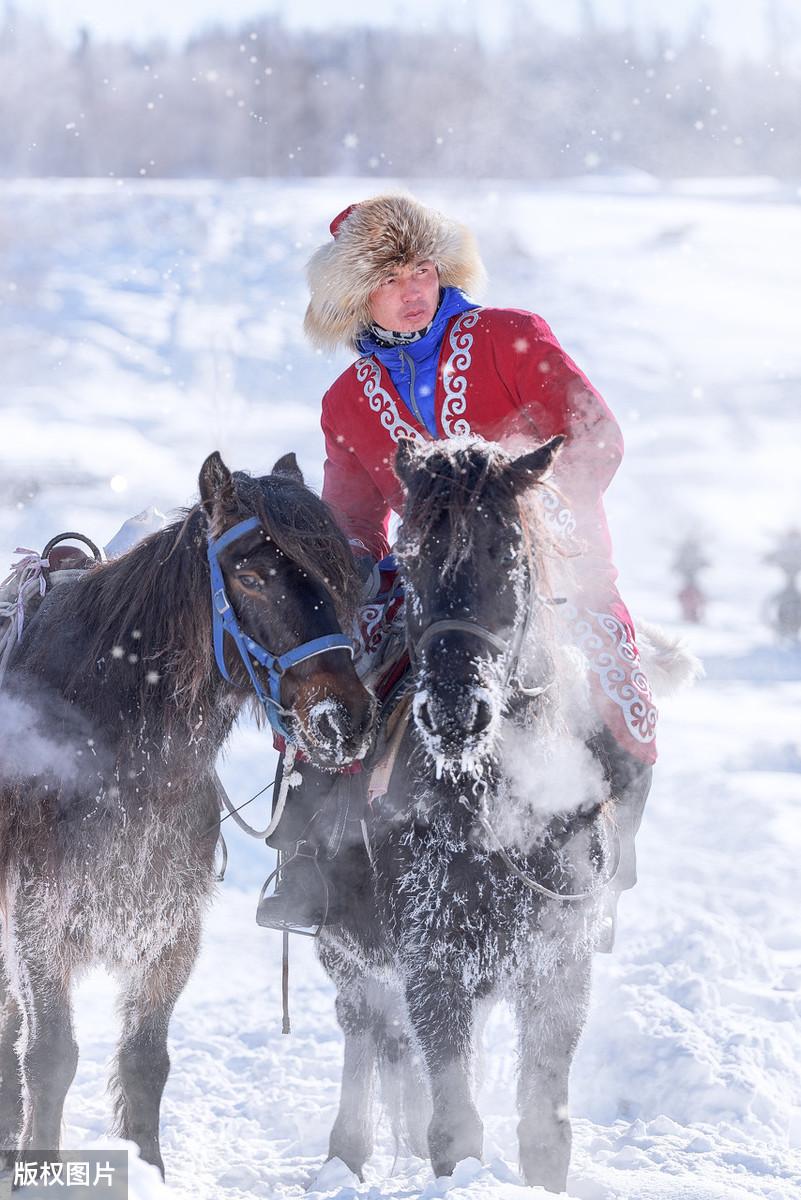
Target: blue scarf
[{"x": 416, "y": 362}]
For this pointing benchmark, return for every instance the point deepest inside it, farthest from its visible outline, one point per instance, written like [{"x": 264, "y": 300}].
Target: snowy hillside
[{"x": 143, "y": 325}]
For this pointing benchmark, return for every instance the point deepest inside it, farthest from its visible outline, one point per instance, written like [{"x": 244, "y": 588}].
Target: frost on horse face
[{"x": 485, "y": 875}]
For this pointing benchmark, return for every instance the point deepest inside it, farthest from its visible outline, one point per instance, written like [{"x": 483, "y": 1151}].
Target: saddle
[{"x": 31, "y": 577}]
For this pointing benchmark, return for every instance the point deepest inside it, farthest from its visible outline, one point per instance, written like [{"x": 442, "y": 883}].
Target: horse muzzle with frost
[
  {"x": 457, "y": 705},
  {"x": 466, "y": 626},
  {"x": 331, "y": 720},
  {"x": 278, "y": 617}
]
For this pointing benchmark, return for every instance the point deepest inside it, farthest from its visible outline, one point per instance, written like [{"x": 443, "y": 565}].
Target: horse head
[
  {"x": 283, "y": 585},
  {"x": 471, "y": 573}
]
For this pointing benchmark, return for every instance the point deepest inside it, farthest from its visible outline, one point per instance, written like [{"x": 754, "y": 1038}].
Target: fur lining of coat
[{"x": 374, "y": 239}]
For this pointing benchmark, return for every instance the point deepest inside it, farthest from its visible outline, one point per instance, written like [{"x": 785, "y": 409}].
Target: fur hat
[{"x": 371, "y": 240}]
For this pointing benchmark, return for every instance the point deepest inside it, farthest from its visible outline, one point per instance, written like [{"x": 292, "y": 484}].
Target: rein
[
  {"x": 534, "y": 884},
  {"x": 224, "y": 621}
]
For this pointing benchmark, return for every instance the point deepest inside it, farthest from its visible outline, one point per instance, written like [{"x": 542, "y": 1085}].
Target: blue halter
[{"x": 224, "y": 621}]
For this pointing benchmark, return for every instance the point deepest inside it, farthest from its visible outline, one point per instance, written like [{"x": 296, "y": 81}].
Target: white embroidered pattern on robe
[
  {"x": 461, "y": 341},
  {"x": 368, "y": 372},
  {"x": 558, "y": 517},
  {"x": 380, "y": 633},
  {"x": 613, "y": 657}
]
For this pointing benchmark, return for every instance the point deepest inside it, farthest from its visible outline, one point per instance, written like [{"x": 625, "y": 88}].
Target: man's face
[{"x": 407, "y": 300}]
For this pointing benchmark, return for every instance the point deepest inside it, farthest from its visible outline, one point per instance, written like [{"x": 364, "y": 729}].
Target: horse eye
[{"x": 248, "y": 580}]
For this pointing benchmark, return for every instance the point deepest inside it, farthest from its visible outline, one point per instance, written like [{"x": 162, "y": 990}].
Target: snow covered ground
[{"x": 144, "y": 324}]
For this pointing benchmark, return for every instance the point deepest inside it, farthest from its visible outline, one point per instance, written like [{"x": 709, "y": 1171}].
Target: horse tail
[
  {"x": 403, "y": 1081},
  {"x": 388, "y": 1057}
]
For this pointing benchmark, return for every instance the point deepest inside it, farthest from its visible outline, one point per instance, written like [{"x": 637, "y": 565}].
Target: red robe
[{"x": 502, "y": 374}]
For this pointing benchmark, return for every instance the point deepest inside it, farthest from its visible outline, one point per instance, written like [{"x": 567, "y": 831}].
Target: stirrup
[{"x": 290, "y": 926}]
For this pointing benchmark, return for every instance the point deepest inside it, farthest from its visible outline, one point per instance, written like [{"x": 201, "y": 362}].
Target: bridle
[
  {"x": 515, "y": 645},
  {"x": 224, "y": 621}
]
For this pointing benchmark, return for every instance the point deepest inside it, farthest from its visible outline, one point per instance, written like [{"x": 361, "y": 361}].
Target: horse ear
[
  {"x": 528, "y": 470},
  {"x": 216, "y": 484},
  {"x": 288, "y": 465},
  {"x": 405, "y": 460}
]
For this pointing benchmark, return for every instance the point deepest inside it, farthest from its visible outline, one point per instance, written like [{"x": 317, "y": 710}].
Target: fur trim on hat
[{"x": 371, "y": 241}]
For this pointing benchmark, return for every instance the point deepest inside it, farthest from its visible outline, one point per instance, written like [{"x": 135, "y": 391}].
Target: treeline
[{"x": 272, "y": 101}]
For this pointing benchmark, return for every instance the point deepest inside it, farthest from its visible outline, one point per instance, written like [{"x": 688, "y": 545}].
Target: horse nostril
[
  {"x": 326, "y": 727},
  {"x": 483, "y": 716}
]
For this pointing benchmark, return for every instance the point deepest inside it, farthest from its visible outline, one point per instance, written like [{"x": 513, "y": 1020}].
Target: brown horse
[{"x": 113, "y": 714}]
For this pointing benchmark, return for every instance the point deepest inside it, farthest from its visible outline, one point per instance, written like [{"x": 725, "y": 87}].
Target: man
[{"x": 392, "y": 284}]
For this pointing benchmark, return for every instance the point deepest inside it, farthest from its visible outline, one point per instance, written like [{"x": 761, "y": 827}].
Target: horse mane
[
  {"x": 456, "y": 480},
  {"x": 154, "y": 601},
  {"x": 302, "y": 526},
  {"x": 150, "y": 609}
]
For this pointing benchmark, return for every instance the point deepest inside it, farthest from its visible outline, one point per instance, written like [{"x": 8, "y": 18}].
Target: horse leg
[
  {"x": 48, "y": 1054},
  {"x": 143, "y": 1063},
  {"x": 352, "y": 1133},
  {"x": 442, "y": 1015},
  {"x": 10, "y": 1080},
  {"x": 550, "y": 1018}
]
